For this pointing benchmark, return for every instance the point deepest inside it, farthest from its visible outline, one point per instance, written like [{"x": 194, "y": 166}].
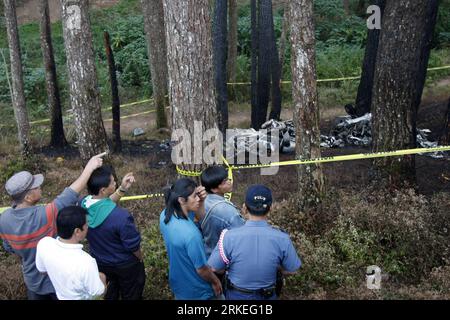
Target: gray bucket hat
[{"x": 22, "y": 182}]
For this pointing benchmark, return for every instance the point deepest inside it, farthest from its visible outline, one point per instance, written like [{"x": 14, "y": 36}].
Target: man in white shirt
[{"x": 72, "y": 271}]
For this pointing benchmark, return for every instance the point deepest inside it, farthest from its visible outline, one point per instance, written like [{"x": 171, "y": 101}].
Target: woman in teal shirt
[{"x": 190, "y": 277}]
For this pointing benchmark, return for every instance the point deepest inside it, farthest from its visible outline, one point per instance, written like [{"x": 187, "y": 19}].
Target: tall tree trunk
[
  {"x": 18, "y": 97},
  {"x": 264, "y": 59},
  {"x": 346, "y": 5},
  {"x": 397, "y": 80},
  {"x": 364, "y": 96},
  {"x": 232, "y": 40},
  {"x": 275, "y": 69},
  {"x": 283, "y": 38},
  {"x": 190, "y": 66},
  {"x": 430, "y": 24},
  {"x": 117, "y": 142},
  {"x": 156, "y": 40},
  {"x": 306, "y": 109},
  {"x": 445, "y": 136},
  {"x": 58, "y": 139},
  {"x": 220, "y": 47},
  {"x": 84, "y": 93},
  {"x": 254, "y": 67}
]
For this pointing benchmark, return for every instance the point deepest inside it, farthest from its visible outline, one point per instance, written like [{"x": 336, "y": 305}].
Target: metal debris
[
  {"x": 138, "y": 132},
  {"x": 348, "y": 131},
  {"x": 245, "y": 142}
]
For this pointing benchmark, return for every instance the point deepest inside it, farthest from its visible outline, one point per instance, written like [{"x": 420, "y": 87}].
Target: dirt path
[{"x": 27, "y": 11}]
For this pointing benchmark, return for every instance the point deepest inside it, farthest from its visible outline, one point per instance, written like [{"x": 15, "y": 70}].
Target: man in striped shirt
[{"x": 23, "y": 225}]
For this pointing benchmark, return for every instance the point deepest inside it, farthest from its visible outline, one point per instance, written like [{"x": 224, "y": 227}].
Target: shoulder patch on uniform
[{"x": 221, "y": 249}]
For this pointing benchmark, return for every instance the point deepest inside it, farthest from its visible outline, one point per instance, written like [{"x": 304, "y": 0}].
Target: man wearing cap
[
  {"x": 255, "y": 252},
  {"x": 23, "y": 225}
]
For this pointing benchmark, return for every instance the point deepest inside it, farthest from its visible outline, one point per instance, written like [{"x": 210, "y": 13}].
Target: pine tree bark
[
  {"x": 84, "y": 93},
  {"x": 232, "y": 40},
  {"x": 306, "y": 109},
  {"x": 190, "y": 66},
  {"x": 117, "y": 142},
  {"x": 220, "y": 48},
  {"x": 156, "y": 40},
  {"x": 18, "y": 96},
  {"x": 397, "y": 81},
  {"x": 58, "y": 139},
  {"x": 364, "y": 96}
]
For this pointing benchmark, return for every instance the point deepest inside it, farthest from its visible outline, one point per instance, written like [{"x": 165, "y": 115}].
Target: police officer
[{"x": 253, "y": 253}]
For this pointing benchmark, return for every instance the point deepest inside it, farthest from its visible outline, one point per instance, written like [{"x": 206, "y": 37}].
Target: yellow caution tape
[
  {"x": 231, "y": 83},
  {"x": 129, "y": 198},
  {"x": 333, "y": 79},
  {"x": 328, "y": 159},
  {"x": 347, "y": 157},
  {"x": 188, "y": 173},
  {"x": 230, "y": 177},
  {"x": 147, "y": 196},
  {"x": 294, "y": 162}
]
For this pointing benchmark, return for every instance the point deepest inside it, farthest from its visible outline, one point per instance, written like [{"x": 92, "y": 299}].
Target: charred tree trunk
[
  {"x": 84, "y": 93},
  {"x": 58, "y": 139},
  {"x": 283, "y": 39},
  {"x": 190, "y": 66},
  {"x": 232, "y": 40},
  {"x": 364, "y": 96},
  {"x": 346, "y": 5},
  {"x": 220, "y": 47},
  {"x": 18, "y": 96},
  {"x": 156, "y": 39},
  {"x": 117, "y": 142},
  {"x": 275, "y": 69},
  {"x": 445, "y": 136},
  {"x": 264, "y": 60},
  {"x": 254, "y": 71},
  {"x": 306, "y": 109},
  {"x": 430, "y": 24},
  {"x": 397, "y": 80}
]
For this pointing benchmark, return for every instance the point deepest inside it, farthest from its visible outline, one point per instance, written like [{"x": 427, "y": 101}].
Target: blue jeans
[
  {"x": 231, "y": 294},
  {"x": 34, "y": 296}
]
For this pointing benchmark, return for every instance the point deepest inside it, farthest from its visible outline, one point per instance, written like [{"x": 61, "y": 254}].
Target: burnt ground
[{"x": 433, "y": 175}]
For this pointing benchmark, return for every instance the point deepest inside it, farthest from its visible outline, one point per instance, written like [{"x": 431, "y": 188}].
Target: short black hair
[
  {"x": 69, "y": 219},
  {"x": 100, "y": 178},
  {"x": 258, "y": 211},
  {"x": 212, "y": 177}
]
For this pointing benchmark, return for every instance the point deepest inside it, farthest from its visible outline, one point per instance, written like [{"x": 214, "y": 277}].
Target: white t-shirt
[{"x": 72, "y": 271}]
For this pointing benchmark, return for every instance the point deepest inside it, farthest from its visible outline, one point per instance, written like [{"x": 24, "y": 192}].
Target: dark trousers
[
  {"x": 125, "y": 282},
  {"x": 237, "y": 295},
  {"x": 34, "y": 296}
]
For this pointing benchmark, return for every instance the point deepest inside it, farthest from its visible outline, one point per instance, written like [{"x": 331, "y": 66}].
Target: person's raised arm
[
  {"x": 94, "y": 163},
  {"x": 127, "y": 181},
  {"x": 202, "y": 194}
]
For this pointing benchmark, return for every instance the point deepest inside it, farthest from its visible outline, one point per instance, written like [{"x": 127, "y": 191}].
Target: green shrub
[{"x": 156, "y": 264}]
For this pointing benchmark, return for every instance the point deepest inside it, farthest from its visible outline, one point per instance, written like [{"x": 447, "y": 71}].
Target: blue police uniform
[{"x": 252, "y": 254}]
